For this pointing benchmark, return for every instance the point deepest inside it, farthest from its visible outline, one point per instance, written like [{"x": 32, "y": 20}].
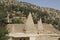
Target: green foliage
[
  {"x": 3, "y": 29},
  {"x": 3, "y": 16},
  {"x": 56, "y": 23},
  {"x": 3, "y": 32},
  {"x": 17, "y": 21}
]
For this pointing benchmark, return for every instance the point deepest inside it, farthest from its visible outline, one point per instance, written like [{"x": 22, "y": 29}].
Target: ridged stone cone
[
  {"x": 30, "y": 28},
  {"x": 40, "y": 26}
]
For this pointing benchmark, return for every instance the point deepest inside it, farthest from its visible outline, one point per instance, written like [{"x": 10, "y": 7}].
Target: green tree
[
  {"x": 3, "y": 17},
  {"x": 3, "y": 29},
  {"x": 3, "y": 32},
  {"x": 17, "y": 21}
]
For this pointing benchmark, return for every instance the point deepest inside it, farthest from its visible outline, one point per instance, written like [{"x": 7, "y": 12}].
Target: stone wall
[{"x": 47, "y": 38}]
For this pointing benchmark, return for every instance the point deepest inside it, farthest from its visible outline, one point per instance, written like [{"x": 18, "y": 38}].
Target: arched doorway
[{"x": 58, "y": 38}]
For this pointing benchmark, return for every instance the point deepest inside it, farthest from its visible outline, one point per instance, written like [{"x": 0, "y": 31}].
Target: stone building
[{"x": 31, "y": 31}]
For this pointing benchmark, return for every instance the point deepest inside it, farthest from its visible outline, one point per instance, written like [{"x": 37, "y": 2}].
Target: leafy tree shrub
[
  {"x": 17, "y": 21},
  {"x": 3, "y": 32},
  {"x": 3, "y": 29},
  {"x": 3, "y": 16}
]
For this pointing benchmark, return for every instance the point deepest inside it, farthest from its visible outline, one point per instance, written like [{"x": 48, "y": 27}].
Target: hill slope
[{"x": 17, "y": 11}]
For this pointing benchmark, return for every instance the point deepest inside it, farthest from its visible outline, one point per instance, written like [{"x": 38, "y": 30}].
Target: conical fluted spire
[
  {"x": 40, "y": 26},
  {"x": 30, "y": 28}
]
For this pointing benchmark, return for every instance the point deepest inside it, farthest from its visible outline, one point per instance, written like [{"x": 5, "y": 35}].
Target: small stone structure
[{"x": 31, "y": 31}]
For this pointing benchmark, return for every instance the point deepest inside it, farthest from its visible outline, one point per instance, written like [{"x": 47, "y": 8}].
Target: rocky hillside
[{"x": 17, "y": 12}]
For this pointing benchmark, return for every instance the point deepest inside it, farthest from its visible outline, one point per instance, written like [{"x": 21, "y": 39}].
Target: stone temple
[{"x": 31, "y": 31}]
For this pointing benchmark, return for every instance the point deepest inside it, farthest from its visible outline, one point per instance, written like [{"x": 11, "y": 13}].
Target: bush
[{"x": 17, "y": 21}]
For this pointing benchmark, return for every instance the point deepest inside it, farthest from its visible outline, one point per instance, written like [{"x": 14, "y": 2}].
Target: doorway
[
  {"x": 22, "y": 38},
  {"x": 59, "y": 39}
]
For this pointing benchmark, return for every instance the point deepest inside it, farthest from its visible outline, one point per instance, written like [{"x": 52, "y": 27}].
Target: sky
[{"x": 45, "y": 3}]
